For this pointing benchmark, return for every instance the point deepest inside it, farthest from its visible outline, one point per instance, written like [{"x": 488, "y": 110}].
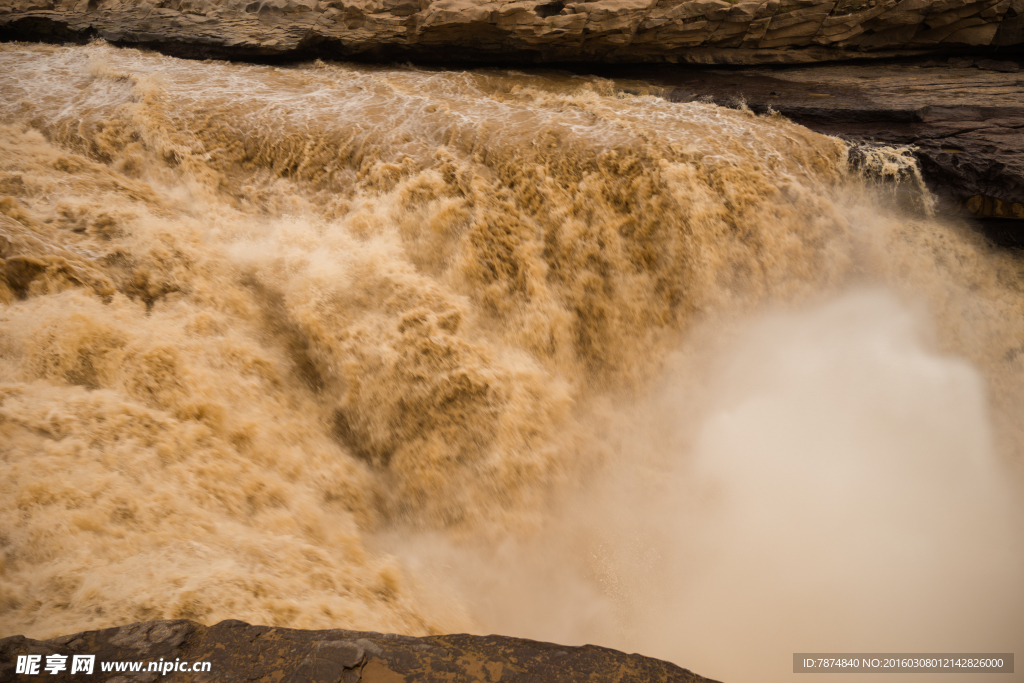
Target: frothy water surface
[{"x": 425, "y": 351}]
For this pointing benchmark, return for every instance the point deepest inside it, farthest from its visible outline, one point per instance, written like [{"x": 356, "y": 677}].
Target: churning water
[{"x": 425, "y": 351}]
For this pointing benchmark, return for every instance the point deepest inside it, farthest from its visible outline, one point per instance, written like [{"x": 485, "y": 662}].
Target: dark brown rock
[
  {"x": 530, "y": 31},
  {"x": 997, "y": 65},
  {"x": 965, "y": 124},
  {"x": 240, "y": 653}
]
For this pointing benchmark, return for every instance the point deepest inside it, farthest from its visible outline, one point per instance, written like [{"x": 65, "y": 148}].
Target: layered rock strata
[
  {"x": 534, "y": 31},
  {"x": 962, "y": 118},
  {"x": 235, "y": 652}
]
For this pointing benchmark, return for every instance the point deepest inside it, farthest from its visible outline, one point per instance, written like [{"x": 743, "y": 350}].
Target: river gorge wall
[{"x": 533, "y": 31}]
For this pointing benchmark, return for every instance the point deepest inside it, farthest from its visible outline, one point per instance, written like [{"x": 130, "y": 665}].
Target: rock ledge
[
  {"x": 962, "y": 118},
  {"x": 531, "y": 31},
  {"x": 238, "y": 652}
]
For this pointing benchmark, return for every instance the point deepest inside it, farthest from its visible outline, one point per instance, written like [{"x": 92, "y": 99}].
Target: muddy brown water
[{"x": 422, "y": 351}]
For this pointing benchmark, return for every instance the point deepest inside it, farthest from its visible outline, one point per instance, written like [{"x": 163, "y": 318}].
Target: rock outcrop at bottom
[
  {"x": 236, "y": 652},
  {"x": 531, "y": 31}
]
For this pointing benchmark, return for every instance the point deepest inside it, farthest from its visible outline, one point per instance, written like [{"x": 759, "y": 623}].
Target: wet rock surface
[
  {"x": 963, "y": 116},
  {"x": 531, "y": 31},
  {"x": 239, "y": 652}
]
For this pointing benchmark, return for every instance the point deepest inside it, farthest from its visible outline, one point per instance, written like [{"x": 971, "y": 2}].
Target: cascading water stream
[{"x": 426, "y": 351}]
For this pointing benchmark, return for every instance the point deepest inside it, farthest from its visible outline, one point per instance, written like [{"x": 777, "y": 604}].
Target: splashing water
[{"x": 429, "y": 351}]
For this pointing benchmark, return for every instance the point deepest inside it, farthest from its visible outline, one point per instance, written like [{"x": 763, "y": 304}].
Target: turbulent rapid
[{"x": 427, "y": 351}]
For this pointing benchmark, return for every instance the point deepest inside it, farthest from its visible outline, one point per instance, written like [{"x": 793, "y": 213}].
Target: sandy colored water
[{"x": 423, "y": 351}]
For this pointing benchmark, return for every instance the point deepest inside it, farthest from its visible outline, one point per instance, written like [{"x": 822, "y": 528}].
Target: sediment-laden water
[{"x": 425, "y": 351}]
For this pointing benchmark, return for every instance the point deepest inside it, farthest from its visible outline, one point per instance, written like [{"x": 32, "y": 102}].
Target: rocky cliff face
[
  {"x": 533, "y": 31},
  {"x": 962, "y": 119},
  {"x": 235, "y": 652}
]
